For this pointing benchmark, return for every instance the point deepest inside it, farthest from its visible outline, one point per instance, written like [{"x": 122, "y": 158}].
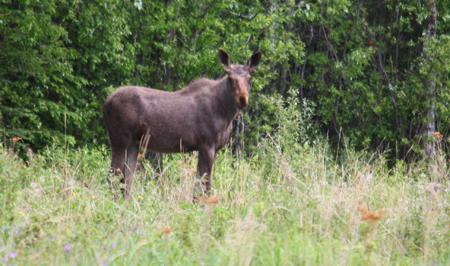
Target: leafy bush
[{"x": 361, "y": 67}]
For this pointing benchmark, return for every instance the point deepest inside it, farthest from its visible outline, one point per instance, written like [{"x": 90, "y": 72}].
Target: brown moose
[{"x": 197, "y": 118}]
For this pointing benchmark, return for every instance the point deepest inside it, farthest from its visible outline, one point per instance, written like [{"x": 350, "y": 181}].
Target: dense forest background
[{"x": 374, "y": 74}]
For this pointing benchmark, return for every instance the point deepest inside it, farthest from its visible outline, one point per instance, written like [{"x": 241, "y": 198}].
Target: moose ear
[
  {"x": 224, "y": 58},
  {"x": 254, "y": 59}
]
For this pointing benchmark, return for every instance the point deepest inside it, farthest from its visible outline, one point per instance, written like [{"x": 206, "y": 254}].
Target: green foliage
[
  {"x": 359, "y": 66},
  {"x": 57, "y": 57}
]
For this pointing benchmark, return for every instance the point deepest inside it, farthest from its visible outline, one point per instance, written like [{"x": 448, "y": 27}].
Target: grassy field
[{"x": 296, "y": 207}]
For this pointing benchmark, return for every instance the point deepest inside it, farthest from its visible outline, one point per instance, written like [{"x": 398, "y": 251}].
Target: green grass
[{"x": 275, "y": 208}]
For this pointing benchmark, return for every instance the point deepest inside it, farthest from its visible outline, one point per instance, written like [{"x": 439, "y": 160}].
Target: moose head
[{"x": 239, "y": 76}]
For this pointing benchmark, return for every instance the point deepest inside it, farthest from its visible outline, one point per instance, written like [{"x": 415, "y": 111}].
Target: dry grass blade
[{"x": 143, "y": 144}]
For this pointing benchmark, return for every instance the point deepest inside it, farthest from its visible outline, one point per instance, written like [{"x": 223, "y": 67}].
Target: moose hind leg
[
  {"x": 129, "y": 168},
  {"x": 117, "y": 163}
]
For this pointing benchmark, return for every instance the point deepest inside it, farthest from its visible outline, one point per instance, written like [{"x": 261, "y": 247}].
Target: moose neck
[{"x": 226, "y": 103}]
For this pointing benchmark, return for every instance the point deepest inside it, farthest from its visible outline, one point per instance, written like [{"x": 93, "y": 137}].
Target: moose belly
[
  {"x": 167, "y": 141},
  {"x": 171, "y": 145}
]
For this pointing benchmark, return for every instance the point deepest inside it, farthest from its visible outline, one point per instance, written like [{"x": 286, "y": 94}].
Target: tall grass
[
  {"x": 273, "y": 208},
  {"x": 290, "y": 203}
]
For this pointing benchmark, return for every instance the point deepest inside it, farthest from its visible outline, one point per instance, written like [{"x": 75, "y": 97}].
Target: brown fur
[{"x": 198, "y": 117}]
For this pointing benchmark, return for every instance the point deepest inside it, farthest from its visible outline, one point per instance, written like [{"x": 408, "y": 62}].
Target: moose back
[{"x": 196, "y": 118}]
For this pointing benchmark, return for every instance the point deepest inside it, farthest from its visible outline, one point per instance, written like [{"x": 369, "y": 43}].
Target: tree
[{"x": 430, "y": 84}]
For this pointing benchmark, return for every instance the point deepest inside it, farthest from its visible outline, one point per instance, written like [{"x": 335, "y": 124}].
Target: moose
[{"x": 196, "y": 118}]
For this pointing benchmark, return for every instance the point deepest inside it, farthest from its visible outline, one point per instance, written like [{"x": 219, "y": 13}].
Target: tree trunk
[{"x": 430, "y": 86}]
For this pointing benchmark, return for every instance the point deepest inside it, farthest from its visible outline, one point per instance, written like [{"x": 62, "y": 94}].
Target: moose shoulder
[{"x": 198, "y": 117}]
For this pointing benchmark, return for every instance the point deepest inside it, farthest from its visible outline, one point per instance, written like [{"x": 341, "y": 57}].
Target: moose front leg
[
  {"x": 206, "y": 157},
  {"x": 129, "y": 168}
]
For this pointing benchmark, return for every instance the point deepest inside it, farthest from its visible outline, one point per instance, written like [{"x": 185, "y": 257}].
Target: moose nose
[{"x": 243, "y": 101}]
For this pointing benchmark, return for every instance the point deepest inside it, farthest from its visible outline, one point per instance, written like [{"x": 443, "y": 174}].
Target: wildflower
[
  {"x": 12, "y": 255},
  {"x": 373, "y": 216},
  {"x": 362, "y": 209},
  {"x": 167, "y": 230},
  {"x": 433, "y": 188},
  {"x": 67, "y": 248},
  {"x": 370, "y": 216},
  {"x": 365, "y": 177},
  {"x": 113, "y": 245},
  {"x": 211, "y": 200},
  {"x": 137, "y": 230},
  {"x": 437, "y": 135},
  {"x": 16, "y": 139}
]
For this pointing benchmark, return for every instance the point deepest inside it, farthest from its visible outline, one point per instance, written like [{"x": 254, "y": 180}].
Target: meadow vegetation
[{"x": 292, "y": 202}]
